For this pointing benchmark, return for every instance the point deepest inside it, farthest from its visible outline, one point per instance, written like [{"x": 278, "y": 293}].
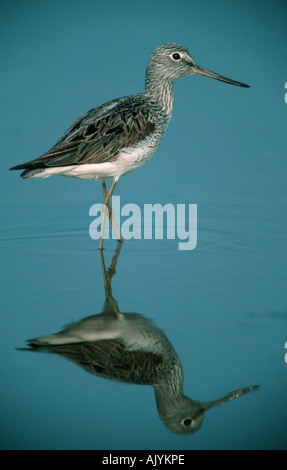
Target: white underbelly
[{"x": 126, "y": 161}]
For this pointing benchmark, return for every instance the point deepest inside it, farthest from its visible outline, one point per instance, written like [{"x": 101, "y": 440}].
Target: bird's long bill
[
  {"x": 229, "y": 397},
  {"x": 208, "y": 73}
]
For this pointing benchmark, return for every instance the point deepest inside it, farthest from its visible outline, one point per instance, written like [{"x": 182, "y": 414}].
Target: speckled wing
[
  {"x": 111, "y": 360},
  {"x": 99, "y": 135}
]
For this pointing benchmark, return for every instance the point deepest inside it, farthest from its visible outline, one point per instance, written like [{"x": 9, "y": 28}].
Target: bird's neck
[
  {"x": 170, "y": 389},
  {"x": 161, "y": 90},
  {"x": 168, "y": 402}
]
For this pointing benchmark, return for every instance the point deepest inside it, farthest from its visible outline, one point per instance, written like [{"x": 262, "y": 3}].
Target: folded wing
[{"x": 99, "y": 135}]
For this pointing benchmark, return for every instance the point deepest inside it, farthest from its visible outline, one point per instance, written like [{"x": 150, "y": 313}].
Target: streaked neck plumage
[{"x": 159, "y": 86}]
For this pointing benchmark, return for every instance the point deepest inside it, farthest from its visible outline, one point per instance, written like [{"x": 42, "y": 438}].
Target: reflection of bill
[
  {"x": 154, "y": 221},
  {"x": 286, "y": 353},
  {"x": 132, "y": 349},
  {"x": 285, "y": 93},
  {"x": 127, "y": 347}
]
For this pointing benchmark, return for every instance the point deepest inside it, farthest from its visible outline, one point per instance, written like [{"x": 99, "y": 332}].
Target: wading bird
[{"x": 119, "y": 136}]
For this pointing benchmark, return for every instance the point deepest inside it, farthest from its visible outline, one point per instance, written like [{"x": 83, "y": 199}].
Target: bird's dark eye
[
  {"x": 176, "y": 56},
  {"x": 187, "y": 422}
]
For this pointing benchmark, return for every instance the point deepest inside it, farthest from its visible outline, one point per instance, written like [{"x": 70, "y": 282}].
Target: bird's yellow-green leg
[{"x": 108, "y": 211}]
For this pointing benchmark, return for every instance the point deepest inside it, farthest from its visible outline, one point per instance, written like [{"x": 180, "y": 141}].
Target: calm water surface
[{"x": 222, "y": 305}]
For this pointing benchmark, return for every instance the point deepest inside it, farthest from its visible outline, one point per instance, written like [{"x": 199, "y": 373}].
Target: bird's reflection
[{"x": 131, "y": 348}]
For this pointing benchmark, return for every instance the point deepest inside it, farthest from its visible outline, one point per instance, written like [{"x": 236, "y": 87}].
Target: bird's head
[{"x": 171, "y": 61}]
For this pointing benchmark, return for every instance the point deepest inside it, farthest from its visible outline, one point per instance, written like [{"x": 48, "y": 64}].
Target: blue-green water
[{"x": 223, "y": 304}]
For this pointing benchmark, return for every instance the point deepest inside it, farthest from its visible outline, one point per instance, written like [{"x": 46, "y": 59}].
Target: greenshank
[
  {"x": 119, "y": 136},
  {"x": 133, "y": 350},
  {"x": 128, "y": 347}
]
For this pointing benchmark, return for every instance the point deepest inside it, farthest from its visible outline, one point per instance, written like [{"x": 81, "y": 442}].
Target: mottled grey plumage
[
  {"x": 130, "y": 348},
  {"x": 133, "y": 350},
  {"x": 114, "y": 131},
  {"x": 96, "y": 138},
  {"x": 121, "y": 135}
]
